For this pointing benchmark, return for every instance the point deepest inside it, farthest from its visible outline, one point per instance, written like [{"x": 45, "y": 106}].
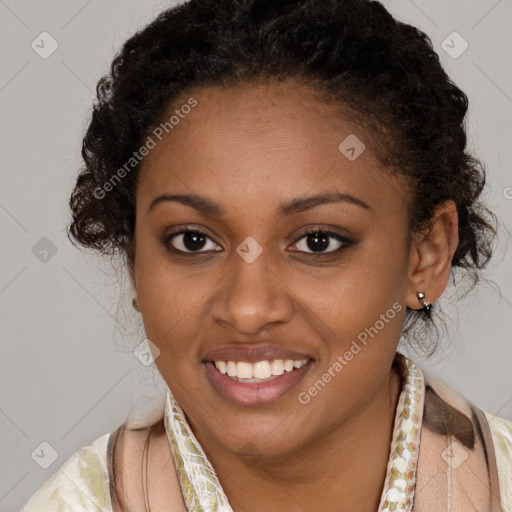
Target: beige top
[
  {"x": 82, "y": 482},
  {"x": 501, "y": 431}
]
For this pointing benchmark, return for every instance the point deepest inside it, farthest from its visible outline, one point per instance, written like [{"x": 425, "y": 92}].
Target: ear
[{"x": 431, "y": 255}]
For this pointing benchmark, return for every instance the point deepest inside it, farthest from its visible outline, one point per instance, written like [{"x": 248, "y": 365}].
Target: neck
[{"x": 342, "y": 471}]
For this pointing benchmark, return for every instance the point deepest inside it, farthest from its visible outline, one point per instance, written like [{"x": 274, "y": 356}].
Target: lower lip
[{"x": 255, "y": 393}]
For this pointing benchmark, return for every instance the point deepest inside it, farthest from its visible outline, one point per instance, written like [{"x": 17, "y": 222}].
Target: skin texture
[{"x": 250, "y": 148}]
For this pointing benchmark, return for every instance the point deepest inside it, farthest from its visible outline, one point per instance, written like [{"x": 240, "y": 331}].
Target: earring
[
  {"x": 426, "y": 307},
  {"x": 135, "y": 304}
]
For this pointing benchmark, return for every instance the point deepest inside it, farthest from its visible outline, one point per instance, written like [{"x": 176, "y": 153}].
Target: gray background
[{"x": 67, "y": 372}]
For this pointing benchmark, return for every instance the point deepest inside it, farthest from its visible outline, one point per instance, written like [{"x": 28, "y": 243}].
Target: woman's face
[{"x": 254, "y": 161}]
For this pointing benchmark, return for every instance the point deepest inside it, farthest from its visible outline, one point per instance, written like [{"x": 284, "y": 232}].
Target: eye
[
  {"x": 189, "y": 241},
  {"x": 318, "y": 241}
]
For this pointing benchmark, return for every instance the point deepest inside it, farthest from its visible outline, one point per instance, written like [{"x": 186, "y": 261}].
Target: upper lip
[{"x": 253, "y": 353}]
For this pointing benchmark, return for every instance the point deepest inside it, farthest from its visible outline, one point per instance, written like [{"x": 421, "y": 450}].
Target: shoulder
[
  {"x": 474, "y": 444},
  {"x": 81, "y": 484},
  {"x": 150, "y": 444},
  {"x": 501, "y": 432}
]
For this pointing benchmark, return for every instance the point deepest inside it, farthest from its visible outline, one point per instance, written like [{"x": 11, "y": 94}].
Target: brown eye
[
  {"x": 190, "y": 241},
  {"x": 317, "y": 241}
]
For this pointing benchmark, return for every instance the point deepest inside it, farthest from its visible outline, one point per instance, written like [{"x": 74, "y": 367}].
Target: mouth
[
  {"x": 245, "y": 371},
  {"x": 256, "y": 383}
]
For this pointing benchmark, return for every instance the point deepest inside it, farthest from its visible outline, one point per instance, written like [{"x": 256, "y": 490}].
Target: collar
[{"x": 202, "y": 490}]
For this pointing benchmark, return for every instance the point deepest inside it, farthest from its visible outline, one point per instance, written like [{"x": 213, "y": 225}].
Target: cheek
[
  {"x": 167, "y": 295},
  {"x": 359, "y": 312},
  {"x": 364, "y": 285}
]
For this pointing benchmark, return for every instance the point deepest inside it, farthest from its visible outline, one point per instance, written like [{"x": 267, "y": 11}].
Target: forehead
[{"x": 259, "y": 145}]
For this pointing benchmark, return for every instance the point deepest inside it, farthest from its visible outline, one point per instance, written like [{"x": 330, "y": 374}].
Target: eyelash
[{"x": 346, "y": 242}]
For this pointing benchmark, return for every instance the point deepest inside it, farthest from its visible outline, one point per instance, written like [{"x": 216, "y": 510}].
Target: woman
[{"x": 290, "y": 187}]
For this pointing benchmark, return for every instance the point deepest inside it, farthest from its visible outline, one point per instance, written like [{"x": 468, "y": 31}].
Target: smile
[
  {"x": 256, "y": 383},
  {"x": 245, "y": 371}
]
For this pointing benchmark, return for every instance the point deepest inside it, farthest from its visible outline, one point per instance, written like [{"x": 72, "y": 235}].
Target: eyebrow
[{"x": 299, "y": 204}]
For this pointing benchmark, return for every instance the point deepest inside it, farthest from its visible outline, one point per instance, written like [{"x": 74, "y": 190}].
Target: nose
[{"x": 252, "y": 297}]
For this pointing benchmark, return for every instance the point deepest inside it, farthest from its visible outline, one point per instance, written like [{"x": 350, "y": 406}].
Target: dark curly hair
[{"x": 353, "y": 54}]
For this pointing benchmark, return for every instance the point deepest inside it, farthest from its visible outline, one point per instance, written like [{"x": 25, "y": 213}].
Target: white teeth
[
  {"x": 261, "y": 370},
  {"x": 230, "y": 368},
  {"x": 244, "y": 370},
  {"x": 277, "y": 367}
]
